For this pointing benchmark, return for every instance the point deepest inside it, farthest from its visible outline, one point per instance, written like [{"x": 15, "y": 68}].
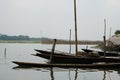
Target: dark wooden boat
[
  {"x": 77, "y": 59},
  {"x": 97, "y": 66},
  {"x": 87, "y": 50},
  {"x": 80, "y": 54},
  {"x": 64, "y": 59},
  {"x": 101, "y": 53},
  {"x": 55, "y": 53}
]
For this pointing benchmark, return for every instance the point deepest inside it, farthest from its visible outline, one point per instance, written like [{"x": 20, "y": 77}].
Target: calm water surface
[{"x": 22, "y": 52}]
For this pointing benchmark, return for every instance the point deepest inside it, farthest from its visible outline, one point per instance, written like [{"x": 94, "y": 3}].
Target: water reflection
[
  {"x": 104, "y": 76},
  {"x": 69, "y": 75},
  {"x": 22, "y": 52},
  {"x": 74, "y": 73},
  {"x": 51, "y": 73},
  {"x": 52, "y": 70}
]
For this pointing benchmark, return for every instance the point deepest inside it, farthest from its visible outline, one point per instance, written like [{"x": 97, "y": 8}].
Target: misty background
[{"x": 55, "y": 18}]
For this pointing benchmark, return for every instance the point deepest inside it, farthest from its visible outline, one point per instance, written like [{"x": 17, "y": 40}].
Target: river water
[{"x": 22, "y": 52}]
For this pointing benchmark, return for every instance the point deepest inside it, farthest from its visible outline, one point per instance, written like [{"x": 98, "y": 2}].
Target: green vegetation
[
  {"x": 20, "y": 37},
  {"x": 117, "y": 32},
  {"x": 43, "y": 40}
]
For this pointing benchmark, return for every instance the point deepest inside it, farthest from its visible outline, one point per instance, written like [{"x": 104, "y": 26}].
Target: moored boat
[
  {"x": 101, "y": 53},
  {"x": 77, "y": 59},
  {"x": 97, "y": 66},
  {"x": 55, "y": 53}
]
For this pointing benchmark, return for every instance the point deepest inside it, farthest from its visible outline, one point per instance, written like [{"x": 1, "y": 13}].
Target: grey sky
[{"x": 54, "y": 18}]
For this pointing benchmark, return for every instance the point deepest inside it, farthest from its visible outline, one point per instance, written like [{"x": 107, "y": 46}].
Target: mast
[
  {"x": 75, "y": 18},
  {"x": 104, "y": 37},
  {"x": 70, "y": 42}
]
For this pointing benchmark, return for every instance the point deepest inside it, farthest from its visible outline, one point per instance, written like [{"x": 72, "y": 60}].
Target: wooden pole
[
  {"x": 70, "y": 51},
  {"x": 5, "y": 53},
  {"x": 70, "y": 42},
  {"x": 104, "y": 37},
  {"x": 76, "y": 42},
  {"x": 110, "y": 33},
  {"x": 52, "y": 52}
]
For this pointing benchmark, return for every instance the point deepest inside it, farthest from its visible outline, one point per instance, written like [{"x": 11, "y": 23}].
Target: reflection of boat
[{"x": 101, "y": 53}]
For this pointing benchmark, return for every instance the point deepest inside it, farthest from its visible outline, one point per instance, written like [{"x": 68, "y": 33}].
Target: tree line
[
  {"x": 20, "y": 37},
  {"x": 117, "y": 32},
  {"x": 44, "y": 40}
]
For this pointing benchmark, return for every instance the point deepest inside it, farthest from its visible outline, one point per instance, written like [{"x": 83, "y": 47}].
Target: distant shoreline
[
  {"x": 19, "y": 41},
  {"x": 43, "y": 40},
  {"x": 82, "y": 42}
]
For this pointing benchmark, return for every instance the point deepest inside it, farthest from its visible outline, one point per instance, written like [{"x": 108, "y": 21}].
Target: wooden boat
[
  {"x": 97, "y": 66},
  {"x": 55, "y": 53},
  {"x": 101, "y": 53},
  {"x": 64, "y": 59},
  {"x": 77, "y": 60},
  {"x": 80, "y": 54}
]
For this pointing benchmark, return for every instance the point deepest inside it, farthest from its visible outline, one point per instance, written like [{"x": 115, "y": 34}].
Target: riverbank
[
  {"x": 20, "y": 41},
  {"x": 82, "y": 42}
]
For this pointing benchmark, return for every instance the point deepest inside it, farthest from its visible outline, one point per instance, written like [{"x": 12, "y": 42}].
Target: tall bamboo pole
[
  {"x": 52, "y": 52},
  {"x": 104, "y": 37},
  {"x": 70, "y": 42},
  {"x": 75, "y": 18}
]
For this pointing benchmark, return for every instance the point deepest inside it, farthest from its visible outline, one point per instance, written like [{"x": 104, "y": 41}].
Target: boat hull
[
  {"x": 28, "y": 64},
  {"x": 77, "y": 60},
  {"x": 55, "y": 53}
]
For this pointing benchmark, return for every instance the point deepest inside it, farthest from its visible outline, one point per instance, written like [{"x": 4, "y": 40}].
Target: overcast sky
[{"x": 54, "y": 18}]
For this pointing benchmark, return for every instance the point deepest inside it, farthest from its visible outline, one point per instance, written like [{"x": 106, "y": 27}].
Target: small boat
[
  {"x": 80, "y": 53},
  {"x": 64, "y": 59},
  {"x": 55, "y": 53},
  {"x": 101, "y": 53},
  {"x": 77, "y": 59},
  {"x": 96, "y": 66}
]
